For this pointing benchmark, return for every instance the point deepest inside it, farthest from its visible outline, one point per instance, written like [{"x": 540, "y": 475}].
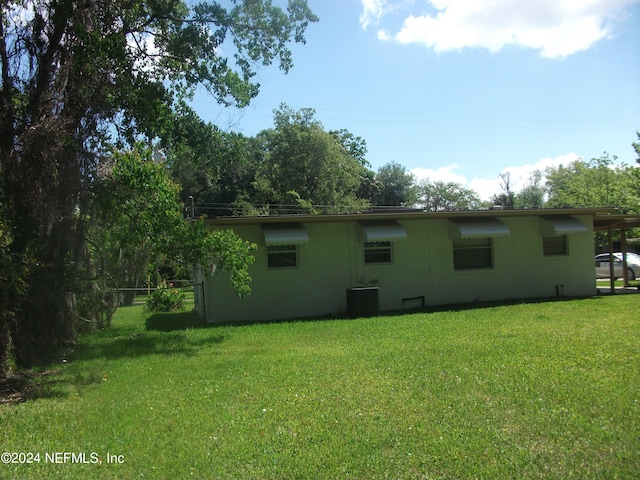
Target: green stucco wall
[{"x": 333, "y": 261}]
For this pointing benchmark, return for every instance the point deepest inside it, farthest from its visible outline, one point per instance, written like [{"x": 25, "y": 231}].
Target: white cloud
[
  {"x": 372, "y": 11},
  {"x": 519, "y": 175},
  {"x": 555, "y": 27},
  {"x": 487, "y": 187},
  {"x": 384, "y": 36},
  {"x": 484, "y": 187},
  {"x": 443, "y": 174}
]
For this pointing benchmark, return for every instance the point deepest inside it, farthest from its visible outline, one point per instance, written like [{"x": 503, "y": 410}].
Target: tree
[
  {"x": 138, "y": 223},
  {"x": 214, "y": 167},
  {"x": 532, "y": 194},
  {"x": 229, "y": 174},
  {"x": 507, "y": 197},
  {"x": 598, "y": 183},
  {"x": 370, "y": 188},
  {"x": 12, "y": 278},
  {"x": 356, "y": 147},
  {"x": 78, "y": 77},
  {"x": 397, "y": 185},
  {"x": 307, "y": 166},
  {"x": 447, "y": 197}
]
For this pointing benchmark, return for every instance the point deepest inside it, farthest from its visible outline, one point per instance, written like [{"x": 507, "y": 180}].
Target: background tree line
[{"x": 299, "y": 166}]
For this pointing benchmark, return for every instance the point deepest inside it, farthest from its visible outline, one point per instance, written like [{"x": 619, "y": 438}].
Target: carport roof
[{"x": 615, "y": 222}]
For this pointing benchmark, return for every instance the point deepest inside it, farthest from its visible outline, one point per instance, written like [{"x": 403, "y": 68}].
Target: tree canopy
[
  {"x": 80, "y": 78},
  {"x": 533, "y": 194},
  {"x": 307, "y": 165},
  {"x": 296, "y": 165},
  {"x": 397, "y": 186},
  {"x": 597, "y": 183},
  {"x": 447, "y": 196}
]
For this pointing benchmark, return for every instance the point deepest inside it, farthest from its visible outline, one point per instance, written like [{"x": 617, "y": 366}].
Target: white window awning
[
  {"x": 388, "y": 231},
  {"x": 478, "y": 228},
  {"x": 565, "y": 225},
  {"x": 284, "y": 234}
]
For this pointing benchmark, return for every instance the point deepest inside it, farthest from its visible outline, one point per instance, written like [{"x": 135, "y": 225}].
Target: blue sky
[{"x": 461, "y": 90}]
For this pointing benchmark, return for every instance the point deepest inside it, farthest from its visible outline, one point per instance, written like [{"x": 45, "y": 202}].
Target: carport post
[
  {"x": 612, "y": 276},
  {"x": 623, "y": 240}
]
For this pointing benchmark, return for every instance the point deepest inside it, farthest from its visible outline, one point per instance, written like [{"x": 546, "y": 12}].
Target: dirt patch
[{"x": 20, "y": 386}]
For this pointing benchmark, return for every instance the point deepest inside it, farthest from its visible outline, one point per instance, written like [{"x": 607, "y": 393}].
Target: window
[
  {"x": 377, "y": 252},
  {"x": 555, "y": 245},
  {"x": 471, "y": 254},
  {"x": 282, "y": 256}
]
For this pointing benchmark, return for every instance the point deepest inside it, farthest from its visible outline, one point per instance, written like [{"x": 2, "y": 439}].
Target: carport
[{"x": 609, "y": 223}]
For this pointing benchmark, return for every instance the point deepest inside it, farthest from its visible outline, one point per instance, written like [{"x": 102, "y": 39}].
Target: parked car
[{"x": 633, "y": 265}]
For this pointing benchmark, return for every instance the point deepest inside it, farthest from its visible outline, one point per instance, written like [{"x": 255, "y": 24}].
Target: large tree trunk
[
  {"x": 46, "y": 326},
  {"x": 46, "y": 235}
]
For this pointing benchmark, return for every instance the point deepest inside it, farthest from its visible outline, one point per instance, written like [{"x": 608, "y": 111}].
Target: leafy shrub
[{"x": 165, "y": 299}]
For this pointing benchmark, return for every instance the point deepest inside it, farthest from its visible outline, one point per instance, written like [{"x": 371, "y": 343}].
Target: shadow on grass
[
  {"x": 30, "y": 385},
  {"x": 453, "y": 307},
  {"x": 170, "y": 322},
  {"x": 166, "y": 334},
  {"x": 488, "y": 304},
  {"x": 141, "y": 344}
]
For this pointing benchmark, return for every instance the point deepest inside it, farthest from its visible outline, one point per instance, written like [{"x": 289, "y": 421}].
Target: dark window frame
[
  {"x": 282, "y": 257},
  {"x": 473, "y": 254},
  {"x": 555, "y": 246},
  {"x": 378, "y": 253}
]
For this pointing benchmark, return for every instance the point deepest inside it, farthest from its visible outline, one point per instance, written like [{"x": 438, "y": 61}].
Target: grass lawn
[
  {"x": 539, "y": 390},
  {"x": 605, "y": 282}
]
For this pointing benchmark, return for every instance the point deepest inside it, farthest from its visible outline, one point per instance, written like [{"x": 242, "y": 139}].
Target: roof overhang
[
  {"x": 382, "y": 231},
  {"x": 602, "y": 216},
  {"x": 488, "y": 227},
  {"x": 284, "y": 234}
]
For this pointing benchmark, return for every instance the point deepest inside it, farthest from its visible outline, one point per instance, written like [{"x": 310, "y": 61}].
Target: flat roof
[{"x": 602, "y": 216}]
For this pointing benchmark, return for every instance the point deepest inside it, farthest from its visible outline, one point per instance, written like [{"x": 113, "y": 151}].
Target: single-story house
[{"x": 362, "y": 263}]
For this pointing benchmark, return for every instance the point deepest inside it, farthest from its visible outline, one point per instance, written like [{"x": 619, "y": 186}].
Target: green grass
[
  {"x": 605, "y": 282},
  {"x": 539, "y": 390}
]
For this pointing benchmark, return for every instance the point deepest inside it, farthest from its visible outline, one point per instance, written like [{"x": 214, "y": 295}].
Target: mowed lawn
[{"x": 538, "y": 390}]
